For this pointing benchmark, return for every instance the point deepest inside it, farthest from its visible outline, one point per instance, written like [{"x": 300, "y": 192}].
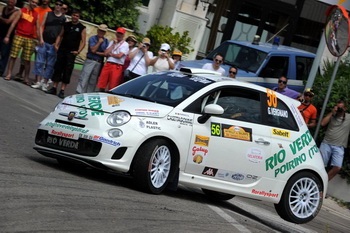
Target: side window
[
  {"x": 278, "y": 114},
  {"x": 240, "y": 104},
  {"x": 276, "y": 67},
  {"x": 303, "y": 67}
]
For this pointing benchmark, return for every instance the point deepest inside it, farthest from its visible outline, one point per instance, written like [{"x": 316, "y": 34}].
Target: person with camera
[
  {"x": 336, "y": 137},
  {"x": 307, "y": 110},
  {"x": 163, "y": 61},
  {"x": 140, "y": 59}
]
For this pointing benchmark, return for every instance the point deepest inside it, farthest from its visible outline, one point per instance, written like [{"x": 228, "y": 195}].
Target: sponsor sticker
[
  {"x": 209, "y": 171},
  {"x": 255, "y": 155},
  {"x": 282, "y": 133},
  {"x": 201, "y": 140},
  {"x": 105, "y": 140},
  {"x": 147, "y": 112},
  {"x": 114, "y": 100}
]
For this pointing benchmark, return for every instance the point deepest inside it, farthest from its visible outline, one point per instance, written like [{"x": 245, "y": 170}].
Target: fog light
[{"x": 114, "y": 133}]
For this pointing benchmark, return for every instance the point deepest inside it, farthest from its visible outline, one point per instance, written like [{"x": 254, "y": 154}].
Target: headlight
[{"x": 118, "y": 118}]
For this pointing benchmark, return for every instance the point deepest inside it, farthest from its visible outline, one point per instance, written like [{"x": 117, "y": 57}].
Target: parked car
[
  {"x": 262, "y": 63},
  {"x": 196, "y": 128}
]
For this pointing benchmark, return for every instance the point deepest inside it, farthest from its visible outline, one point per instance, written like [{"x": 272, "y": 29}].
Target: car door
[{"x": 232, "y": 146}]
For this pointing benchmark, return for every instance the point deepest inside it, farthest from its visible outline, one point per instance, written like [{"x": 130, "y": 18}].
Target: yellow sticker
[
  {"x": 282, "y": 133},
  {"x": 201, "y": 140}
]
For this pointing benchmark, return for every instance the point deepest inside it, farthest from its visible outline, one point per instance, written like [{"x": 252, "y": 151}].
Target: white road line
[{"x": 229, "y": 219}]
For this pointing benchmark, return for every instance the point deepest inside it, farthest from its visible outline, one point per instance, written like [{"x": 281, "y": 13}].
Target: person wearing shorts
[
  {"x": 336, "y": 138},
  {"x": 26, "y": 19}
]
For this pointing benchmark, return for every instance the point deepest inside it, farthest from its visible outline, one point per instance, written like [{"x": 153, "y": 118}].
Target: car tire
[
  {"x": 301, "y": 199},
  {"x": 154, "y": 165},
  {"x": 218, "y": 196}
]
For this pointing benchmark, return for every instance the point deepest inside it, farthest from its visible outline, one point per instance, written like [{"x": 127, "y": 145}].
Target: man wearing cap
[
  {"x": 112, "y": 71},
  {"x": 73, "y": 42},
  {"x": 177, "y": 54},
  {"x": 94, "y": 59},
  {"x": 216, "y": 64},
  {"x": 140, "y": 59},
  {"x": 307, "y": 110},
  {"x": 162, "y": 62}
]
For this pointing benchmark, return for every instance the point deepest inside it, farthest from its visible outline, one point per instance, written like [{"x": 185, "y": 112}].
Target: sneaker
[
  {"x": 52, "y": 91},
  {"x": 61, "y": 94},
  {"x": 49, "y": 81},
  {"x": 36, "y": 85},
  {"x": 44, "y": 87}
]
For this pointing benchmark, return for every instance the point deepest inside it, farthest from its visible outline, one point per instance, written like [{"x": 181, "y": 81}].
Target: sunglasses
[
  {"x": 64, "y": 8},
  {"x": 59, "y": 4},
  {"x": 163, "y": 50},
  {"x": 232, "y": 72},
  {"x": 281, "y": 81},
  {"x": 308, "y": 94},
  {"x": 217, "y": 60}
]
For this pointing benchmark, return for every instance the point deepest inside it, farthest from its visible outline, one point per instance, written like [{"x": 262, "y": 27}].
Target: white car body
[{"x": 222, "y": 154}]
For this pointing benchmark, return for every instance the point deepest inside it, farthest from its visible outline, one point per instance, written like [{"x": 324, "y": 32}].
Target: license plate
[{"x": 62, "y": 142}]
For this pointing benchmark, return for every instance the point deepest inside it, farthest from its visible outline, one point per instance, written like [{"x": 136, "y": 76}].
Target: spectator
[
  {"x": 112, "y": 72},
  {"x": 283, "y": 89},
  {"x": 140, "y": 60},
  {"x": 73, "y": 42},
  {"x": 50, "y": 34},
  {"x": 162, "y": 62},
  {"x": 336, "y": 137},
  {"x": 216, "y": 64},
  {"x": 131, "y": 40},
  {"x": 94, "y": 59},
  {"x": 64, "y": 9},
  {"x": 177, "y": 54},
  {"x": 41, "y": 10},
  {"x": 307, "y": 110},
  {"x": 25, "y": 20},
  {"x": 6, "y": 18},
  {"x": 232, "y": 72}
]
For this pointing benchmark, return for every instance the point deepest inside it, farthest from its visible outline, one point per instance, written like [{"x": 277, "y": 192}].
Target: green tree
[
  {"x": 164, "y": 34},
  {"x": 114, "y": 13}
]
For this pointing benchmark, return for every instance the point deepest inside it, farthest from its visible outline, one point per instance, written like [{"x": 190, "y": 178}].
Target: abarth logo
[{"x": 72, "y": 115}]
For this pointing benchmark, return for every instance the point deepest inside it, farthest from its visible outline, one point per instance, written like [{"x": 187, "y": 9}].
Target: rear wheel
[
  {"x": 153, "y": 166},
  {"x": 217, "y": 195},
  {"x": 301, "y": 199}
]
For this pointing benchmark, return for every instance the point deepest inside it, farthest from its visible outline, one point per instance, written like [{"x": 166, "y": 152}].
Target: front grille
[{"x": 81, "y": 146}]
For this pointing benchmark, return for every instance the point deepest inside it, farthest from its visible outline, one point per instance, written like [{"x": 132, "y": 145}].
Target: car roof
[{"x": 268, "y": 48}]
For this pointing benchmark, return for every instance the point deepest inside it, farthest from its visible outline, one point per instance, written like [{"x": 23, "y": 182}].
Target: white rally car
[{"x": 196, "y": 128}]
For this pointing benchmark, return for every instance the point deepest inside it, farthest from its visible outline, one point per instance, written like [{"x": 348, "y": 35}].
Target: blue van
[{"x": 262, "y": 63}]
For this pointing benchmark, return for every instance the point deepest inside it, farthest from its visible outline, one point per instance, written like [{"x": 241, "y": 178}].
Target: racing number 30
[
  {"x": 215, "y": 129},
  {"x": 271, "y": 98}
]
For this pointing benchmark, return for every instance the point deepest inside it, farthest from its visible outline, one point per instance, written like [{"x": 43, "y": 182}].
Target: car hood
[{"x": 108, "y": 103}]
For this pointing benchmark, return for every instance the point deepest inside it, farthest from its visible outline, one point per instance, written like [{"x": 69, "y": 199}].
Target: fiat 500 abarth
[{"x": 196, "y": 128}]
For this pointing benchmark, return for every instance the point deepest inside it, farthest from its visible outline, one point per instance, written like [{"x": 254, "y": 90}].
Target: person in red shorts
[
  {"x": 112, "y": 72},
  {"x": 307, "y": 110}
]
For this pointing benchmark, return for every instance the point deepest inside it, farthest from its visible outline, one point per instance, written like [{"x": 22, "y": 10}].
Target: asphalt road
[{"x": 39, "y": 195}]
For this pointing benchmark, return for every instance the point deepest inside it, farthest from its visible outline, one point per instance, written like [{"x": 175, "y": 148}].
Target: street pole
[{"x": 327, "y": 97}]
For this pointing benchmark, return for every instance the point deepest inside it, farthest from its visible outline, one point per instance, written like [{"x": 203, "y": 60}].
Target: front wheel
[
  {"x": 301, "y": 199},
  {"x": 153, "y": 166}
]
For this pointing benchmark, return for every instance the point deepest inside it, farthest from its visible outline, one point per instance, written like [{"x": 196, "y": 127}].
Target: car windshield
[
  {"x": 243, "y": 57},
  {"x": 169, "y": 88}
]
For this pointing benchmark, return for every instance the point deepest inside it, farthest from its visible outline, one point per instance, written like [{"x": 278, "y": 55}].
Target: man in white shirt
[
  {"x": 112, "y": 71},
  {"x": 215, "y": 66}
]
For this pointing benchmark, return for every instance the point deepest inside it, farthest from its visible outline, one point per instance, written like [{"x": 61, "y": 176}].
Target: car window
[
  {"x": 303, "y": 67},
  {"x": 169, "y": 88},
  {"x": 243, "y": 57},
  {"x": 278, "y": 114},
  {"x": 276, "y": 67},
  {"x": 238, "y": 104}
]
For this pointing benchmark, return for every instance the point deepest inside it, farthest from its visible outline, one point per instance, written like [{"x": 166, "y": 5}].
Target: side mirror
[{"x": 209, "y": 110}]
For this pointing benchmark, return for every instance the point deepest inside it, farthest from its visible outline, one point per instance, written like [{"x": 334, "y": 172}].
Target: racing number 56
[
  {"x": 215, "y": 129},
  {"x": 271, "y": 98}
]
